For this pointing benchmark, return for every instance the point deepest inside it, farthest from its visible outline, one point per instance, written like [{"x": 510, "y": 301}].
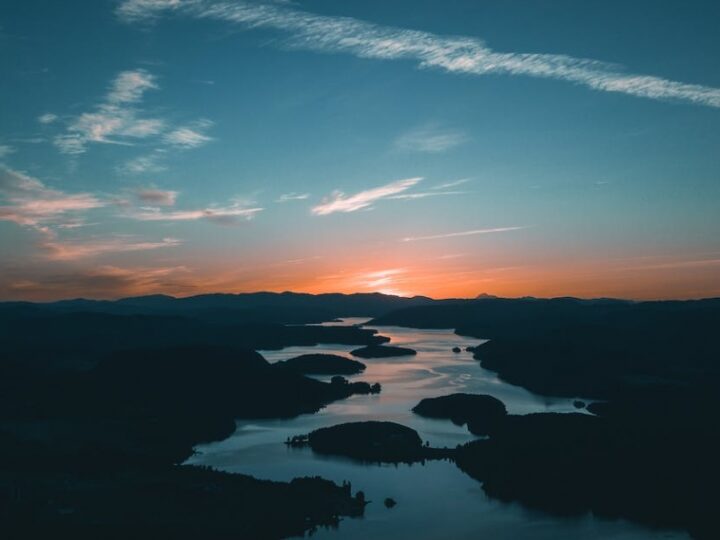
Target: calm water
[{"x": 436, "y": 500}]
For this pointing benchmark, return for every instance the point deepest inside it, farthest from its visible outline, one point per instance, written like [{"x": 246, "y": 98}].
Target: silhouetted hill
[
  {"x": 649, "y": 455},
  {"x": 97, "y": 408},
  {"x": 49, "y": 340},
  {"x": 571, "y": 464},
  {"x": 323, "y": 364},
  {"x": 265, "y": 307},
  {"x": 102, "y": 442}
]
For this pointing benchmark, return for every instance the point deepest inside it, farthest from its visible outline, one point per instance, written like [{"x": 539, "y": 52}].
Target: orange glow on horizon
[{"x": 446, "y": 278}]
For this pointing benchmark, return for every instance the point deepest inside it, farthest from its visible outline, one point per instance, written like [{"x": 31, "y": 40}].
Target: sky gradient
[{"x": 442, "y": 148}]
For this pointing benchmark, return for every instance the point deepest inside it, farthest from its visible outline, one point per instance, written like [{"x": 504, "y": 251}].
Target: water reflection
[{"x": 435, "y": 500}]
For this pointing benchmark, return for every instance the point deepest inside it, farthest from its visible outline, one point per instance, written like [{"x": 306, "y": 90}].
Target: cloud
[
  {"x": 693, "y": 263},
  {"x": 286, "y": 197},
  {"x": 29, "y": 202},
  {"x": 339, "y": 202},
  {"x": 6, "y": 150},
  {"x": 429, "y": 140},
  {"x": 227, "y": 215},
  {"x": 104, "y": 281},
  {"x": 115, "y": 120},
  {"x": 454, "y": 183},
  {"x": 72, "y": 250},
  {"x": 47, "y": 118},
  {"x": 452, "y": 54},
  {"x": 144, "y": 164},
  {"x": 425, "y": 194},
  {"x": 461, "y": 233},
  {"x": 386, "y": 281},
  {"x": 156, "y": 197},
  {"x": 381, "y": 278},
  {"x": 144, "y": 10},
  {"x": 129, "y": 86},
  {"x": 190, "y": 136}
]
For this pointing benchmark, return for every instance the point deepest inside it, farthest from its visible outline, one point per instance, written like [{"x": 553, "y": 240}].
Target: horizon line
[{"x": 480, "y": 296}]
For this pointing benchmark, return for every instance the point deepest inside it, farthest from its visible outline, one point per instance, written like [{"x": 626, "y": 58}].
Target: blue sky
[{"x": 426, "y": 147}]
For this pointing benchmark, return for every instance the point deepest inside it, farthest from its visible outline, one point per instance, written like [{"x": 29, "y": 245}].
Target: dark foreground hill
[
  {"x": 97, "y": 410},
  {"x": 49, "y": 340},
  {"x": 651, "y": 452}
]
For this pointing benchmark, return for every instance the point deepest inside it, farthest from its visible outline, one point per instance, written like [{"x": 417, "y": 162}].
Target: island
[
  {"x": 382, "y": 351},
  {"x": 348, "y": 388},
  {"x": 481, "y": 413},
  {"x": 373, "y": 441},
  {"x": 323, "y": 364}
]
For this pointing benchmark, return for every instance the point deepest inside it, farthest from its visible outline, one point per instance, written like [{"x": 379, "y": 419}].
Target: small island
[
  {"x": 481, "y": 413},
  {"x": 373, "y": 441},
  {"x": 382, "y": 351},
  {"x": 359, "y": 387},
  {"x": 323, "y": 364}
]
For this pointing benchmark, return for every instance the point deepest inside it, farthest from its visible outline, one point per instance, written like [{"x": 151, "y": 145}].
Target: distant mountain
[{"x": 264, "y": 307}]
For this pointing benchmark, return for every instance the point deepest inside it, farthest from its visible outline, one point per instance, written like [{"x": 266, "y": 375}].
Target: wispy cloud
[
  {"x": 286, "y": 197},
  {"x": 143, "y": 10},
  {"x": 115, "y": 120},
  {"x": 386, "y": 281},
  {"x": 152, "y": 162},
  {"x": 105, "y": 281},
  {"x": 47, "y": 118},
  {"x": 425, "y": 194},
  {"x": 129, "y": 86},
  {"x": 452, "y": 54},
  {"x": 429, "y": 140},
  {"x": 224, "y": 215},
  {"x": 71, "y": 250},
  {"x": 381, "y": 278},
  {"x": 450, "y": 256},
  {"x": 461, "y": 233},
  {"x": 190, "y": 136},
  {"x": 692, "y": 263},
  {"x": 6, "y": 150},
  {"x": 454, "y": 183},
  {"x": 29, "y": 202},
  {"x": 339, "y": 202},
  {"x": 118, "y": 119},
  {"x": 156, "y": 197}
]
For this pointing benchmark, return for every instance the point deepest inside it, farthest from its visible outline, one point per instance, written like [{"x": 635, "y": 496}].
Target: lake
[{"x": 435, "y": 500}]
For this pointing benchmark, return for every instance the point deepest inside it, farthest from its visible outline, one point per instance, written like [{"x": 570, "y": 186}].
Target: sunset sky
[{"x": 435, "y": 147}]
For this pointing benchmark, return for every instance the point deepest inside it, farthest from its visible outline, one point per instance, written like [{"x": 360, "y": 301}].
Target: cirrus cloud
[
  {"x": 154, "y": 196},
  {"x": 234, "y": 213},
  {"x": 339, "y": 202},
  {"x": 29, "y": 202},
  {"x": 451, "y": 54},
  {"x": 82, "y": 249},
  {"x": 456, "y": 234}
]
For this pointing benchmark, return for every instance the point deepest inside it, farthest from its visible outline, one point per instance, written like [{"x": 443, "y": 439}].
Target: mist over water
[{"x": 435, "y": 500}]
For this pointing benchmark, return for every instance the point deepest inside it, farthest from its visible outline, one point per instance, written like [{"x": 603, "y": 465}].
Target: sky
[{"x": 416, "y": 147}]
